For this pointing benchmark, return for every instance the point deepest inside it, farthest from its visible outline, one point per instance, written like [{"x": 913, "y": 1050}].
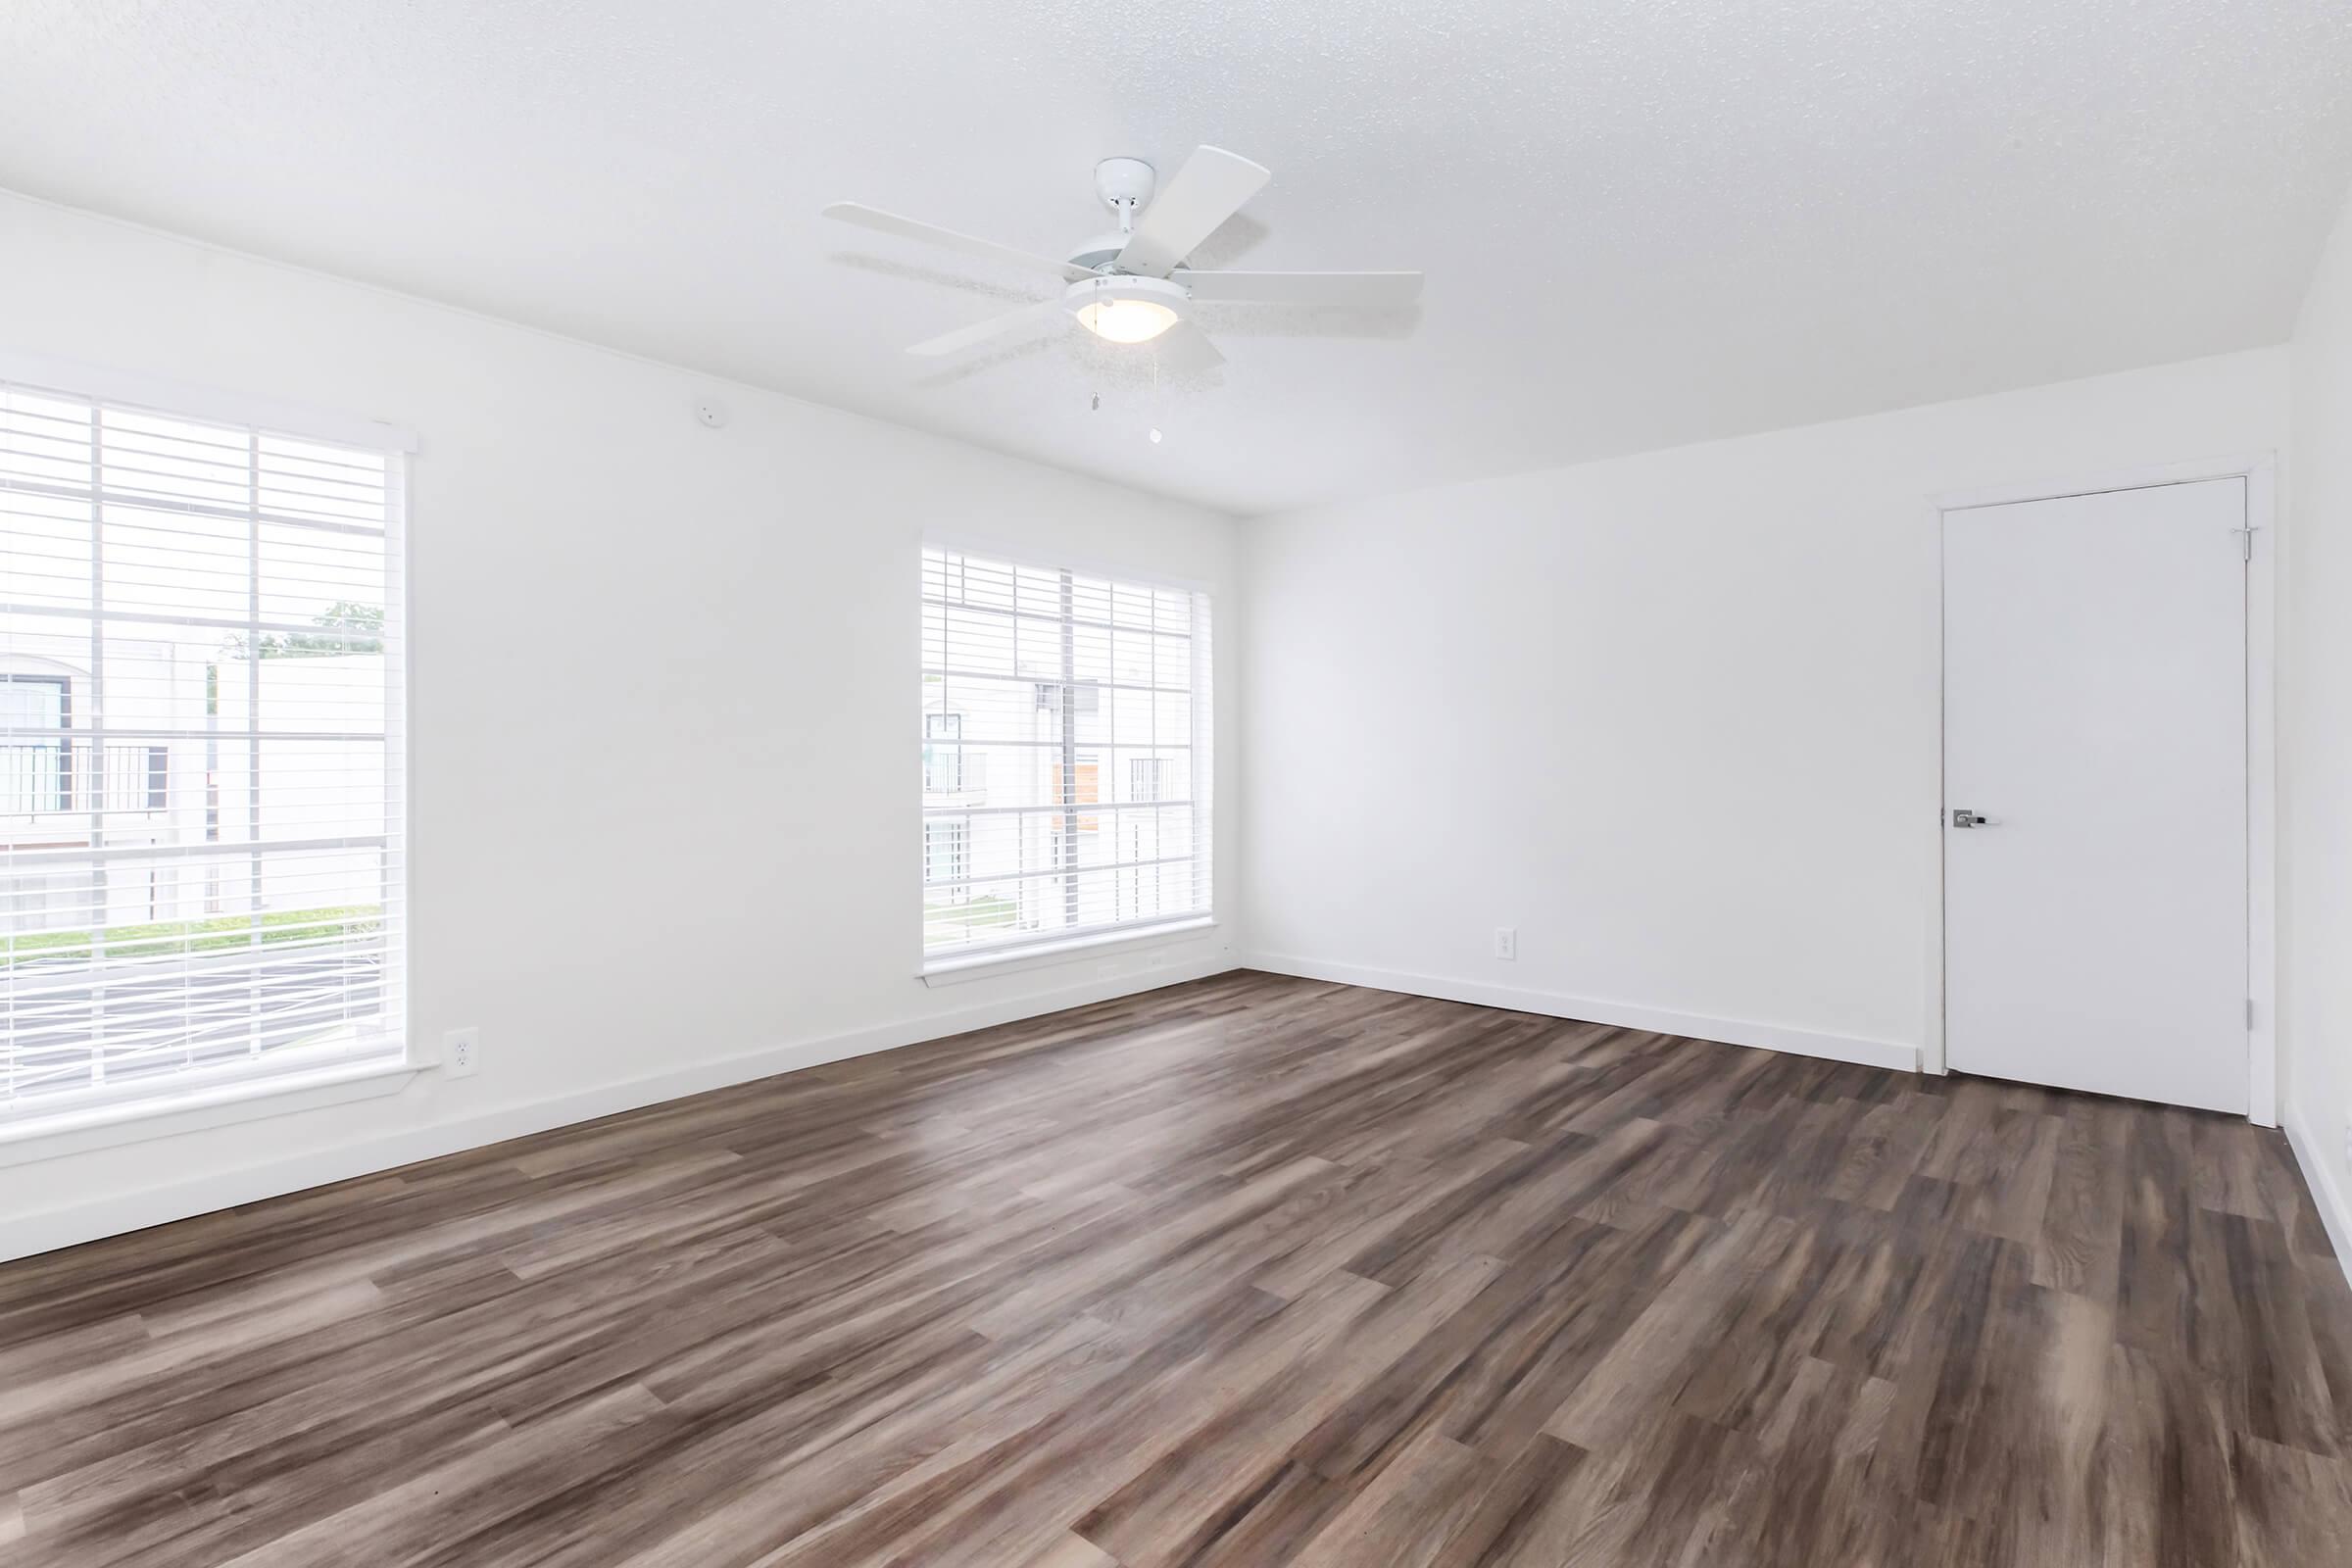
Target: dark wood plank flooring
[{"x": 1248, "y": 1271}]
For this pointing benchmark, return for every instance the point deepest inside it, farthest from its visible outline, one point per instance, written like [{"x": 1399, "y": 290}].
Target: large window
[
  {"x": 1065, "y": 728},
  {"x": 201, "y": 858}
]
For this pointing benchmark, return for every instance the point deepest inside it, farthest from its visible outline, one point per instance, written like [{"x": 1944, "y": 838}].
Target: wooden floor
[{"x": 1249, "y": 1271}]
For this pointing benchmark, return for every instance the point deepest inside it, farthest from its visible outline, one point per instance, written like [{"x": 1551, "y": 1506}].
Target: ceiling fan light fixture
[
  {"x": 1134, "y": 285},
  {"x": 1127, "y": 310},
  {"x": 1126, "y": 321}
]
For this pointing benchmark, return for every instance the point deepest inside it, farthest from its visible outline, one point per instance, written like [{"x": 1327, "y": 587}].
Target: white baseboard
[
  {"x": 1727, "y": 1031},
  {"x": 24, "y": 1235},
  {"x": 2319, "y": 1177}
]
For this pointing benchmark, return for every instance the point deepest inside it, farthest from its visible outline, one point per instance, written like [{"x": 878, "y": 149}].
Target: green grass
[
  {"x": 980, "y": 915},
  {"x": 191, "y": 936}
]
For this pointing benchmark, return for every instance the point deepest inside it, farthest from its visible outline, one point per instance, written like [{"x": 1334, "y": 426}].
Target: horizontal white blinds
[
  {"x": 201, "y": 857},
  {"x": 1066, "y": 754}
]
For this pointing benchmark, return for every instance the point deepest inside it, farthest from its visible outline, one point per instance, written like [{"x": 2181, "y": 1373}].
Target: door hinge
[{"x": 2245, "y": 543}]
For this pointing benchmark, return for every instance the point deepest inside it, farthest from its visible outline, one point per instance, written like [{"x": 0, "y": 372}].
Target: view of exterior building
[
  {"x": 199, "y": 779},
  {"x": 185, "y": 779},
  {"x": 1062, "y": 762}
]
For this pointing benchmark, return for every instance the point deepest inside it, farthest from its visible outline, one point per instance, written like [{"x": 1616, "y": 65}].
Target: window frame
[
  {"x": 69, "y": 1122},
  {"x": 950, "y": 965}
]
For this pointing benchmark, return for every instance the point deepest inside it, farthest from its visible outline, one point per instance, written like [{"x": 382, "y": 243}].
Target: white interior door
[{"x": 2095, "y": 713}]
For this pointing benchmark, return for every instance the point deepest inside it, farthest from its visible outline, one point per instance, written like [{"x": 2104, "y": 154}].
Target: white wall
[
  {"x": 2314, "y": 704},
  {"x": 584, "y": 555},
  {"x": 1673, "y": 716},
  {"x": 1676, "y": 711}
]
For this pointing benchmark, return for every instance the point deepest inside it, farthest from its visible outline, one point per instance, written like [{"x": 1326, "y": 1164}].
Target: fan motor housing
[
  {"x": 1097, "y": 253},
  {"x": 1169, "y": 292},
  {"x": 1125, "y": 185}
]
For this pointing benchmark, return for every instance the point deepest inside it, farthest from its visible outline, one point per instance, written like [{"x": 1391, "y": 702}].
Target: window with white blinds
[
  {"x": 201, "y": 857},
  {"x": 1065, "y": 736}
]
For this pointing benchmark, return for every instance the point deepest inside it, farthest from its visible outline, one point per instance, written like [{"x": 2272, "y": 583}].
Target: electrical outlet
[
  {"x": 1506, "y": 942},
  {"x": 461, "y": 1053}
]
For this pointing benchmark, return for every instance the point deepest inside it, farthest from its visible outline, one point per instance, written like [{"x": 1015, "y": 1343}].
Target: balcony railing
[{"x": 57, "y": 776}]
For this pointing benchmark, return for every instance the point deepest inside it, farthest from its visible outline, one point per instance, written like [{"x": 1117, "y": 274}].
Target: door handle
[{"x": 1962, "y": 817}]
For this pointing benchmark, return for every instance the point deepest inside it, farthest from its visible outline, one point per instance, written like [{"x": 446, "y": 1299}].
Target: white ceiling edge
[
  {"x": 1767, "y": 433},
  {"x": 1344, "y": 497},
  {"x": 718, "y": 379}
]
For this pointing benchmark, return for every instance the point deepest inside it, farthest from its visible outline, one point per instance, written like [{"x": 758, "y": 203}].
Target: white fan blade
[
  {"x": 1185, "y": 350},
  {"x": 963, "y": 337},
  {"x": 880, "y": 221},
  {"x": 1305, "y": 289},
  {"x": 1208, "y": 189}
]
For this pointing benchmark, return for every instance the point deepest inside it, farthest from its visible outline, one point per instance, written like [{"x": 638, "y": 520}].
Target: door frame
[{"x": 2260, "y": 475}]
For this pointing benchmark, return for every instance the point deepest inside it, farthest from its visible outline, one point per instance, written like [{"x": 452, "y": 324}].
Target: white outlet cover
[{"x": 461, "y": 1052}]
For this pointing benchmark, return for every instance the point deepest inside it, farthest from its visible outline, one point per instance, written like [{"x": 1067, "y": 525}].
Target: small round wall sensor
[
  {"x": 1155, "y": 438},
  {"x": 712, "y": 412}
]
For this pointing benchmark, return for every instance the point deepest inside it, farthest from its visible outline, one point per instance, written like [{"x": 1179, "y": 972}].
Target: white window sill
[
  {"x": 104, "y": 1126},
  {"x": 1013, "y": 961}
]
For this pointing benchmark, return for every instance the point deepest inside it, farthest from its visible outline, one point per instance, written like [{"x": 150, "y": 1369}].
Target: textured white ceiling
[{"x": 1645, "y": 221}]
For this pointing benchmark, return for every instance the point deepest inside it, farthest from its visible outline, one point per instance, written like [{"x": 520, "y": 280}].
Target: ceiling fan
[{"x": 1130, "y": 285}]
